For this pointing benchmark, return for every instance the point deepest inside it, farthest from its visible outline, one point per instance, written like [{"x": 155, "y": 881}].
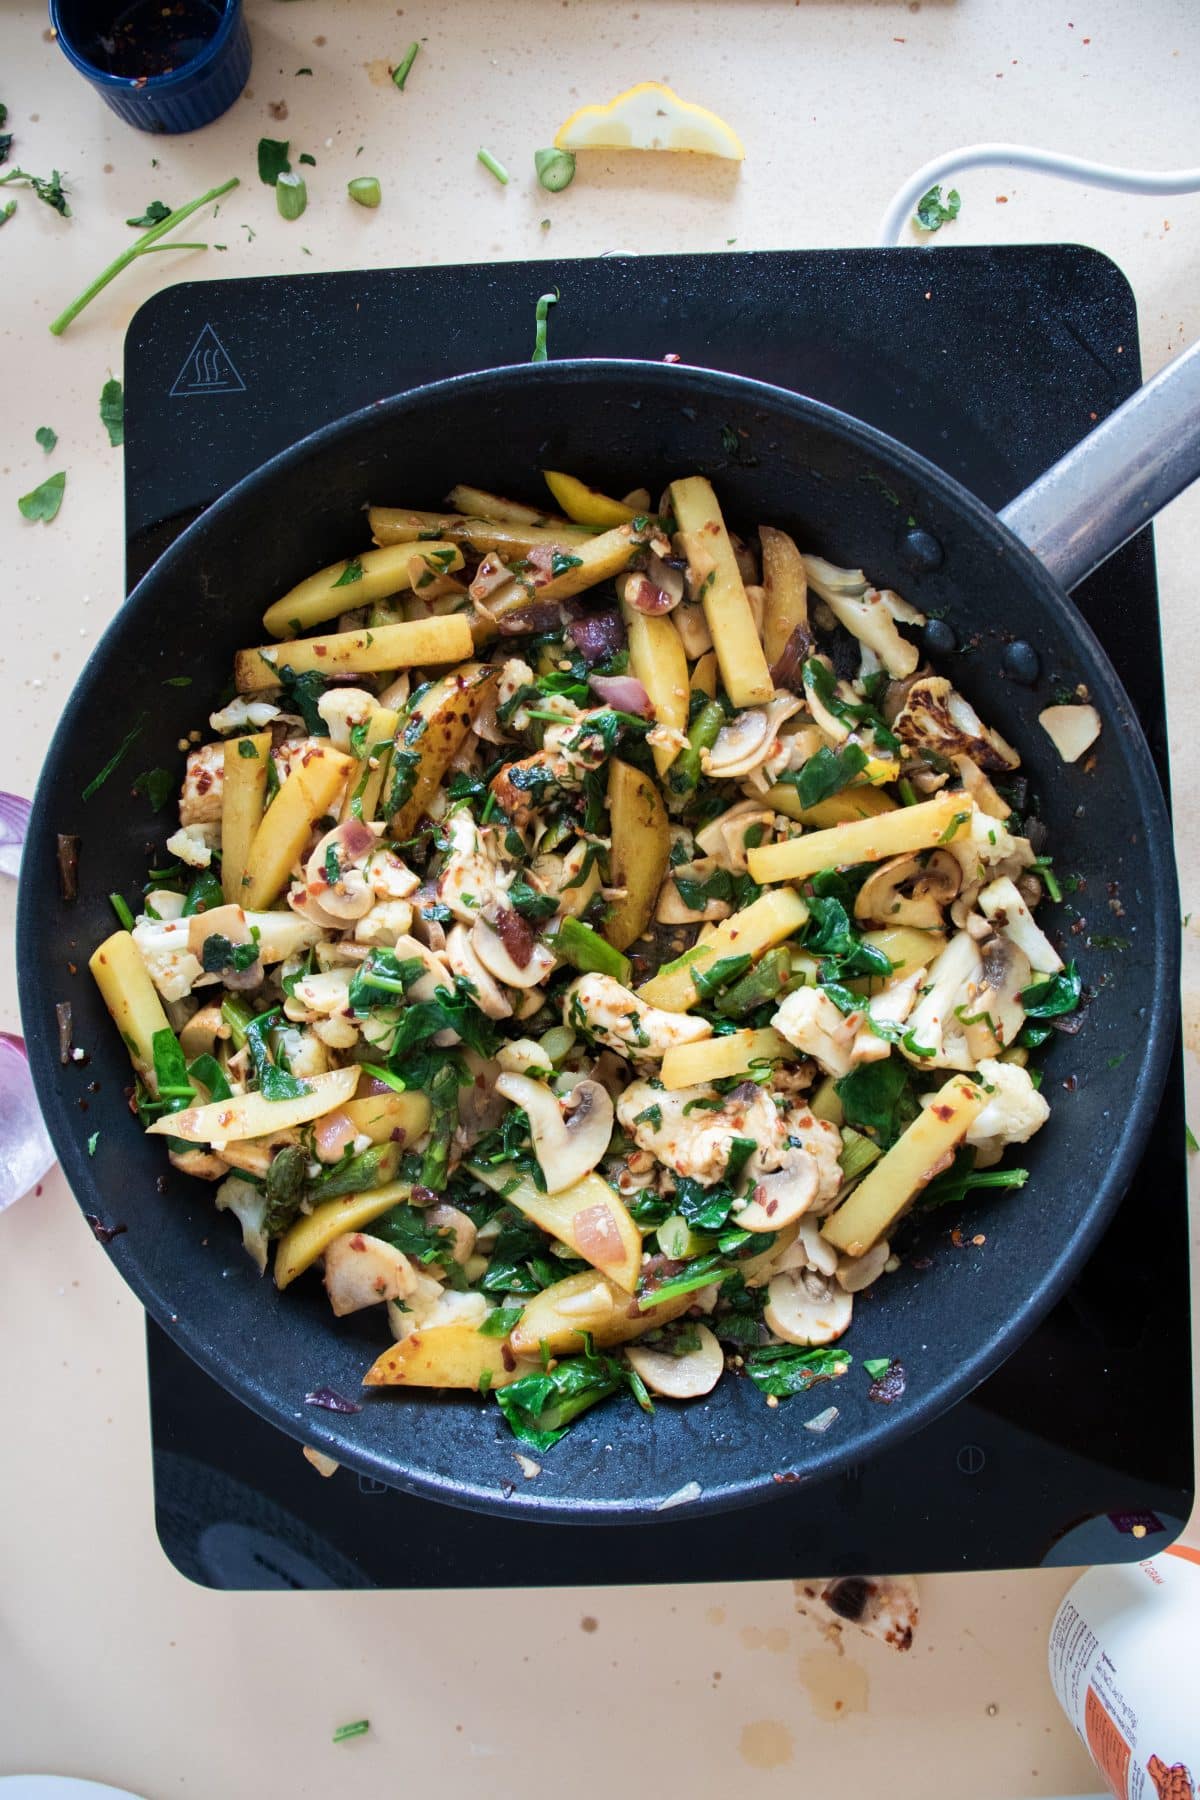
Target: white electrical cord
[{"x": 893, "y": 230}]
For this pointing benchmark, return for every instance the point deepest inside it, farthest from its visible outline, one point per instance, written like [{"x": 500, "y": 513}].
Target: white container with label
[{"x": 1125, "y": 1664}]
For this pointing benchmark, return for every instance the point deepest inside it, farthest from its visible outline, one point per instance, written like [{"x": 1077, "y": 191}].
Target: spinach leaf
[
  {"x": 821, "y": 681},
  {"x": 423, "y": 1019},
  {"x": 273, "y": 159},
  {"x": 170, "y": 1068},
  {"x": 714, "y": 976},
  {"x": 1057, "y": 995},
  {"x": 876, "y": 1098},
  {"x": 827, "y": 773},
  {"x": 540, "y": 1408},
  {"x": 274, "y": 1083},
  {"x": 381, "y": 978},
  {"x": 209, "y": 1073},
  {"x": 933, "y": 212},
  {"x": 954, "y": 1185},
  {"x": 705, "y": 1209},
  {"x": 406, "y": 1229},
  {"x": 302, "y": 693},
  {"x": 204, "y": 893},
  {"x": 500, "y": 1321},
  {"x": 219, "y": 953},
  {"x": 783, "y": 1369},
  {"x": 831, "y": 936}
]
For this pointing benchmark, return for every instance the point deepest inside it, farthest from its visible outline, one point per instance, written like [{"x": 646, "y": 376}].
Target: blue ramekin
[{"x": 189, "y": 97}]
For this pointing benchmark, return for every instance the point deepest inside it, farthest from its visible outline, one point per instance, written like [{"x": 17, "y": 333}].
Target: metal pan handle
[{"x": 1113, "y": 483}]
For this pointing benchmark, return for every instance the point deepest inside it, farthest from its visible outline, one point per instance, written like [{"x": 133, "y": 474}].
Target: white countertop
[{"x": 111, "y": 1665}]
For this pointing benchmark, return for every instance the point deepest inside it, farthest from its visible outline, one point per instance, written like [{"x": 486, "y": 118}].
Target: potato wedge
[
  {"x": 413, "y": 644},
  {"x": 766, "y": 922},
  {"x": 587, "y": 1302},
  {"x": 366, "y": 782},
  {"x": 243, "y": 795},
  {"x": 307, "y": 794},
  {"x": 482, "y": 505},
  {"x": 381, "y": 573},
  {"x": 446, "y": 1356},
  {"x": 599, "y": 559},
  {"x": 715, "y": 579},
  {"x": 312, "y": 1234},
  {"x": 704, "y": 675},
  {"x": 392, "y": 525},
  {"x": 381, "y": 1116},
  {"x": 433, "y": 733},
  {"x": 920, "y": 827},
  {"x": 586, "y": 505},
  {"x": 712, "y": 1059},
  {"x": 861, "y": 802},
  {"x": 641, "y": 848},
  {"x": 132, "y": 999},
  {"x": 253, "y": 1115},
  {"x": 589, "y": 1217},
  {"x": 888, "y": 1190},
  {"x": 657, "y": 659},
  {"x": 786, "y": 587}
]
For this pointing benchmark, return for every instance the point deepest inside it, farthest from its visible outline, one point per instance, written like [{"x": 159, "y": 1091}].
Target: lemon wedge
[{"x": 649, "y": 116}]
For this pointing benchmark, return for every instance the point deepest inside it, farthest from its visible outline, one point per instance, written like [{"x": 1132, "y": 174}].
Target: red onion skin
[
  {"x": 14, "y": 824},
  {"x": 516, "y": 934},
  {"x": 26, "y": 1153},
  {"x": 624, "y": 692}
]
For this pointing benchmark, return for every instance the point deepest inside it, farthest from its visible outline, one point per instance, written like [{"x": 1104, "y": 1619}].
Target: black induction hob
[{"x": 991, "y": 362}]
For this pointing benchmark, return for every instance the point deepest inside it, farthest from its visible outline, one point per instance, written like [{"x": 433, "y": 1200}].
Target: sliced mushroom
[
  {"x": 819, "y": 1253},
  {"x": 1001, "y": 902},
  {"x": 692, "y": 625},
  {"x": 480, "y": 1107},
  {"x": 976, "y": 783},
  {"x": 199, "y": 1036},
  {"x": 724, "y": 839},
  {"x": 488, "y": 996},
  {"x": 498, "y": 960},
  {"x": 568, "y": 1145},
  {"x": 205, "y": 1165},
  {"x": 854, "y": 1273},
  {"x": 683, "y": 1377},
  {"x": 910, "y": 890},
  {"x": 783, "y": 1197},
  {"x": 361, "y": 1270},
  {"x": 997, "y": 1015},
  {"x": 804, "y": 1307},
  {"x": 451, "y": 1218},
  {"x": 738, "y": 745},
  {"x": 346, "y": 846}
]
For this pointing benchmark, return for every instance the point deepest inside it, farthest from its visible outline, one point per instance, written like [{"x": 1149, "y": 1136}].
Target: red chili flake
[
  {"x": 671, "y": 357},
  {"x": 943, "y": 1112},
  {"x": 1001, "y": 199},
  {"x": 786, "y": 1479},
  {"x": 956, "y": 1238},
  {"x": 103, "y": 1233},
  {"x": 507, "y": 1358},
  {"x": 321, "y": 649}
]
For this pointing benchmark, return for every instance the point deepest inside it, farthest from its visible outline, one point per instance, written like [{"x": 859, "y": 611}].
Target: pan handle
[{"x": 1110, "y": 485}]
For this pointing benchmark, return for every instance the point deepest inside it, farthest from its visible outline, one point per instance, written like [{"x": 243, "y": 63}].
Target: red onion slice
[
  {"x": 25, "y": 1150},
  {"x": 623, "y": 692},
  {"x": 14, "y": 823}
]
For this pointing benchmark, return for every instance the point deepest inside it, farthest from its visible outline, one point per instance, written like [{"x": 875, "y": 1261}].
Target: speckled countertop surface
[{"x": 111, "y": 1665}]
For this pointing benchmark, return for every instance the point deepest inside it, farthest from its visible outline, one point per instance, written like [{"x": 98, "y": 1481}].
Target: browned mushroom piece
[
  {"x": 997, "y": 1015},
  {"x": 910, "y": 890}
]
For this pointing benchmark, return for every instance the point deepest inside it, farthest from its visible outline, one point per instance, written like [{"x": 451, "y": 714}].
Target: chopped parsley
[
  {"x": 154, "y": 214},
  {"x": 41, "y": 504},
  {"x": 46, "y": 438},
  {"x": 273, "y": 159},
  {"x": 352, "y": 572},
  {"x": 933, "y": 211},
  {"x": 157, "y": 785},
  {"x": 122, "y": 750}
]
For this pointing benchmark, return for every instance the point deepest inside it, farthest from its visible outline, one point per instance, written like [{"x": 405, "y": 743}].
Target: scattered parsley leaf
[
  {"x": 92, "y": 1142},
  {"x": 41, "y": 504},
  {"x": 157, "y": 785},
  {"x": 877, "y": 1366},
  {"x": 154, "y": 214},
  {"x": 352, "y": 572},
  {"x": 357, "y": 1729},
  {"x": 403, "y": 68},
  {"x": 50, "y": 190},
  {"x": 1190, "y": 1138},
  {"x": 46, "y": 438},
  {"x": 933, "y": 212},
  {"x": 112, "y": 412}
]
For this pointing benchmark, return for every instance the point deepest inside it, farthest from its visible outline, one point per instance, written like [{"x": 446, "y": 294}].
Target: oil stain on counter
[{"x": 766, "y": 1744}]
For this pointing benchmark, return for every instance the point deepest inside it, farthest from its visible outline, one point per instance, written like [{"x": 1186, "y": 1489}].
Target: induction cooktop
[{"x": 991, "y": 362}]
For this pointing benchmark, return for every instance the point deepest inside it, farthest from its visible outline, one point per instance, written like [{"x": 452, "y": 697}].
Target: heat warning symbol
[{"x": 208, "y": 369}]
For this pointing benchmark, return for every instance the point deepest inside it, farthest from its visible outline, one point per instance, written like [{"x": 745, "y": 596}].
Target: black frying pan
[{"x": 842, "y": 489}]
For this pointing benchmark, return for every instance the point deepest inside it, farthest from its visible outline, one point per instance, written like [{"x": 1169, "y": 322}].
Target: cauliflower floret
[
  {"x": 390, "y": 920},
  {"x": 430, "y": 1304},
  {"x": 1011, "y": 1114},
  {"x": 390, "y": 875},
  {"x": 242, "y": 714},
  {"x": 162, "y": 945},
  {"x": 620, "y": 1019},
  {"x": 936, "y": 717},
  {"x": 469, "y": 880},
  {"x": 697, "y": 1143},
  {"x": 249, "y": 1205},
  {"x": 342, "y": 708},
  {"x": 303, "y": 1053},
  {"x": 809, "y": 1020},
  {"x": 194, "y": 844}
]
